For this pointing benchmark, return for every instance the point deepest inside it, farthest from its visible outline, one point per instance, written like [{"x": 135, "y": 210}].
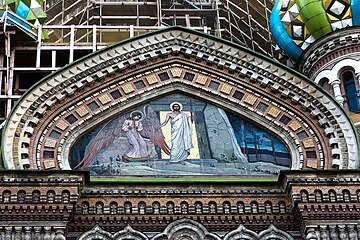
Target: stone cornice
[{"x": 296, "y": 198}]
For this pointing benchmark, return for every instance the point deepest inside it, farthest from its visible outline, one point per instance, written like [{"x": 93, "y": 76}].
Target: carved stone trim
[
  {"x": 241, "y": 233},
  {"x": 185, "y": 229},
  {"x": 127, "y": 233},
  {"x": 330, "y": 45},
  {"x": 271, "y": 233},
  {"x": 96, "y": 233}
]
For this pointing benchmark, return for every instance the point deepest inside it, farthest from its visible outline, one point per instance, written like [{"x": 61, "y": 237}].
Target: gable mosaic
[{"x": 179, "y": 135}]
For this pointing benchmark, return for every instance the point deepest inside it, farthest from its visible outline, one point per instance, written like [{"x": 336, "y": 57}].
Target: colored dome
[
  {"x": 26, "y": 15},
  {"x": 295, "y": 24}
]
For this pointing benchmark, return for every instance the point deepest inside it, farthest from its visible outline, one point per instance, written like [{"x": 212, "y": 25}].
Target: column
[
  {"x": 357, "y": 77},
  {"x": 337, "y": 91},
  {"x": 18, "y": 232},
  {"x": 311, "y": 234},
  {"x": 59, "y": 233},
  {"x": 8, "y": 233},
  {"x": 37, "y": 233},
  {"x": 324, "y": 233},
  {"x": 343, "y": 233},
  {"x": 27, "y": 235},
  {"x": 333, "y": 233},
  {"x": 352, "y": 232},
  {"x": 47, "y": 233}
]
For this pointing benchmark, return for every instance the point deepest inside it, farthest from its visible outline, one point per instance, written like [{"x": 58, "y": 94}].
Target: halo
[
  {"x": 173, "y": 103},
  {"x": 139, "y": 112}
]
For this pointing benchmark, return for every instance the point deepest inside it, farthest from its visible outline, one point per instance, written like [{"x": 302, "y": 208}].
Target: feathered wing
[
  {"x": 107, "y": 134},
  {"x": 151, "y": 129}
]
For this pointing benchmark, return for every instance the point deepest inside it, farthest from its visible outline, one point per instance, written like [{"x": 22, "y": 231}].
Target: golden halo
[
  {"x": 139, "y": 112},
  {"x": 173, "y": 103}
]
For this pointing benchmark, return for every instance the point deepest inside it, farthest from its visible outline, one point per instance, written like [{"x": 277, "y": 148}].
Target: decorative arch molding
[
  {"x": 241, "y": 233},
  {"x": 271, "y": 233},
  {"x": 333, "y": 74},
  {"x": 179, "y": 86},
  {"x": 344, "y": 44},
  {"x": 185, "y": 229},
  {"x": 96, "y": 233},
  {"x": 244, "y": 80},
  {"x": 127, "y": 233},
  {"x": 274, "y": 234}
]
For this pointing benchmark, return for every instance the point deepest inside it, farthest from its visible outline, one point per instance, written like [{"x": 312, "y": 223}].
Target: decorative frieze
[
  {"x": 187, "y": 229},
  {"x": 39, "y": 231},
  {"x": 300, "y": 205}
]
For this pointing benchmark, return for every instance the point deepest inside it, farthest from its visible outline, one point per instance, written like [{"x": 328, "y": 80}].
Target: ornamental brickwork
[{"x": 68, "y": 205}]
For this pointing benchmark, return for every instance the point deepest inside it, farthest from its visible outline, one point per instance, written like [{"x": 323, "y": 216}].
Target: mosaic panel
[{"x": 179, "y": 135}]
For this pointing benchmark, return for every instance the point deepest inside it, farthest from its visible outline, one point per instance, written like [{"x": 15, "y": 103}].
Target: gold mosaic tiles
[
  {"x": 128, "y": 88},
  {"x": 294, "y": 125},
  {"x": 151, "y": 79},
  {"x": 104, "y": 99},
  {"x": 201, "y": 79},
  {"x": 312, "y": 163},
  {"x": 61, "y": 124},
  {"x": 82, "y": 110},
  {"x": 176, "y": 72},
  {"x": 226, "y": 88},
  {"x": 250, "y": 99},
  {"x": 49, "y": 164},
  {"x": 309, "y": 143},
  {"x": 51, "y": 143},
  {"x": 274, "y": 112}
]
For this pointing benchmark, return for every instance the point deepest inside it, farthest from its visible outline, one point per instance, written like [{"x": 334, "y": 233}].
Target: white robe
[
  {"x": 181, "y": 138},
  {"x": 138, "y": 149}
]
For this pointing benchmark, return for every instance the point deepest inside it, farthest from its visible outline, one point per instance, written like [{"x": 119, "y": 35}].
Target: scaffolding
[{"x": 77, "y": 28}]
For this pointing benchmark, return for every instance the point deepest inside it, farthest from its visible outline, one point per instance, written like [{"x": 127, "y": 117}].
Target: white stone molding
[
  {"x": 337, "y": 91},
  {"x": 241, "y": 233},
  {"x": 271, "y": 233},
  {"x": 185, "y": 229},
  {"x": 96, "y": 233},
  {"x": 333, "y": 74},
  {"x": 326, "y": 230},
  {"x": 127, "y": 233}
]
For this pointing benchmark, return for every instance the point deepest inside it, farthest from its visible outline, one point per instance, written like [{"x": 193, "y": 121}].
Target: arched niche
[
  {"x": 350, "y": 89},
  {"x": 185, "y": 229},
  {"x": 52, "y": 115},
  {"x": 222, "y": 135}
]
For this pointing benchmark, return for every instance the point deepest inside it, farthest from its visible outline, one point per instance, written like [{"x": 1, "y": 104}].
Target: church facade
[{"x": 178, "y": 134}]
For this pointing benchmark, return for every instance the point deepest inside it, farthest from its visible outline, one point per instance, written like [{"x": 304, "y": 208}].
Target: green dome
[{"x": 296, "y": 24}]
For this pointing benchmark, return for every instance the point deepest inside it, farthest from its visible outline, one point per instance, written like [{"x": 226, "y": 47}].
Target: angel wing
[
  {"x": 151, "y": 129},
  {"x": 107, "y": 134}
]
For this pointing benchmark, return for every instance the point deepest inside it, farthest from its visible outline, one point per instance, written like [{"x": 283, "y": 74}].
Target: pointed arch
[
  {"x": 176, "y": 59},
  {"x": 185, "y": 229},
  {"x": 129, "y": 233},
  {"x": 271, "y": 233},
  {"x": 274, "y": 234},
  {"x": 96, "y": 233},
  {"x": 241, "y": 233}
]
